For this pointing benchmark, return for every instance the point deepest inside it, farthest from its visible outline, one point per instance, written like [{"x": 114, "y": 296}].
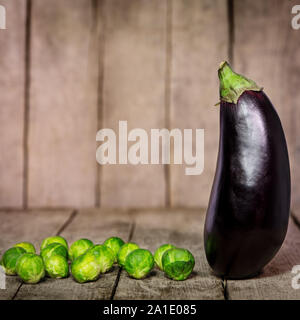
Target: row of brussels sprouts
[{"x": 87, "y": 261}]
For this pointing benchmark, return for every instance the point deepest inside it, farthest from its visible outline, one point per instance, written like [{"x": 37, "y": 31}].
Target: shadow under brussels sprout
[
  {"x": 113, "y": 269},
  {"x": 151, "y": 274},
  {"x": 155, "y": 272}
]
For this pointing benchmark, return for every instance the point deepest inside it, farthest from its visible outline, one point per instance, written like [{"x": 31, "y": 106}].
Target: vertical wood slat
[
  {"x": 267, "y": 50},
  {"x": 199, "y": 44},
  {"x": 12, "y": 46},
  {"x": 61, "y": 158},
  {"x": 63, "y": 104},
  {"x": 134, "y": 71}
]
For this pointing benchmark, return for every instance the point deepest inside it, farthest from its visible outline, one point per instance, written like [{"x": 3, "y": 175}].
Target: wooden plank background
[
  {"x": 77, "y": 66},
  {"x": 63, "y": 104},
  {"x": 267, "y": 49},
  {"x": 134, "y": 69},
  {"x": 199, "y": 44},
  {"x": 12, "y": 84}
]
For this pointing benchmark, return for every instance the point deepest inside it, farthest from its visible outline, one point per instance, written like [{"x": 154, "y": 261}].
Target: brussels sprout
[
  {"x": 124, "y": 252},
  {"x": 56, "y": 266},
  {"x": 139, "y": 263},
  {"x": 54, "y": 249},
  {"x": 27, "y": 246},
  {"x": 104, "y": 256},
  {"x": 56, "y": 239},
  {"x": 178, "y": 263},
  {"x": 30, "y": 268},
  {"x": 79, "y": 247},
  {"x": 10, "y": 258},
  {"x": 114, "y": 243},
  {"x": 159, "y": 253},
  {"x": 85, "y": 268}
]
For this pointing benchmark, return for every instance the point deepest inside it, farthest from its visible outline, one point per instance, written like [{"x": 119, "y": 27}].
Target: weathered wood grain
[
  {"x": 96, "y": 225},
  {"x": 266, "y": 49},
  {"x": 30, "y": 226},
  {"x": 296, "y": 214},
  {"x": 199, "y": 44},
  {"x": 183, "y": 228},
  {"x": 275, "y": 282},
  {"x": 12, "y": 52},
  {"x": 63, "y": 104},
  {"x": 133, "y": 90},
  {"x": 65, "y": 41}
]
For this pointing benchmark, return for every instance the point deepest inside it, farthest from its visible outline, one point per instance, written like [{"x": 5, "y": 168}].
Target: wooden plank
[
  {"x": 12, "y": 45},
  {"x": 96, "y": 225},
  {"x": 134, "y": 72},
  {"x": 63, "y": 104},
  {"x": 30, "y": 226},
  {"x": 275, "y": 282},
  {"x": 183, "y": 228},
  {"x": 266, "y": 50},
  {"x": 200, "y": 43},
  {"x": 296, "y": 214}
]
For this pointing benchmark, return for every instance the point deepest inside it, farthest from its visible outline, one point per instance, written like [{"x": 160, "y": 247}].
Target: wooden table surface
[{"x": 149, "y": 228}]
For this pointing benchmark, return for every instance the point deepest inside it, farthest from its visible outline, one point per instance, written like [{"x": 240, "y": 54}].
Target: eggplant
[{"x": 248, "y": 211}]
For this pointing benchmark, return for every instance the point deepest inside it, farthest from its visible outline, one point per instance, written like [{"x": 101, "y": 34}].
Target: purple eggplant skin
[{"x": 249, "y": 205}]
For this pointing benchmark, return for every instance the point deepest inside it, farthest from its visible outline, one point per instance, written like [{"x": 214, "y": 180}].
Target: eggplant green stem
[{"x": 232, "y": 85}]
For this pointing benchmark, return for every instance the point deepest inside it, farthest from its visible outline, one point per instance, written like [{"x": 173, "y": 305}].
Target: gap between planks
[
  {"x": 230, "y": 17},
  {"x": 168, "y": 74},
  {"x": 225, "y": 289},
  {"x": 132, "y": 229},
  {"x": 27, "y": 58},
  {"x": 100, "y": 22}
]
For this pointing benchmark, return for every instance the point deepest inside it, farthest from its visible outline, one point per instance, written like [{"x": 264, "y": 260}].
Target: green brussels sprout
[
  {"x": 139, "y": 263},
  {"x": 54, "y": 249},
  {"x": 57, "y": 266},
  {"x": 85, "y": 268},
  {"x": 104, "y": 256},
  {"x": 79, "y": 247},
  {"x": 178, "y": 263},
  {"x": 159, "y": 253},
  {"x": 27, "y": 246},
  {"x": 56, "y": 239},
  {"x": 114, "y": 243},
  {"x": 30, "y": 268},
  {"x": 10, "y": 258},
  {"x": 124, "y": 252}
]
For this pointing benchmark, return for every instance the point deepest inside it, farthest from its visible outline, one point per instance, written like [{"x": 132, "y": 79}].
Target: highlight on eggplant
[{"x": 248, "y": 212}]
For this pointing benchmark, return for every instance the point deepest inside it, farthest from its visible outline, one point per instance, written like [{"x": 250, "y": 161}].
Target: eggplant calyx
[{"x": 232, "y": 85}]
